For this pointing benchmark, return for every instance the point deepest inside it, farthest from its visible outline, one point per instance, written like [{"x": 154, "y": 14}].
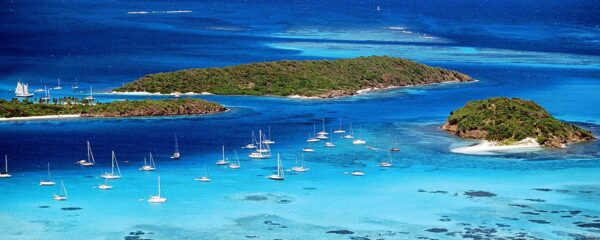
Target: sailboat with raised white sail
[
  {"x": 300, "y": 168},
  {"x": 279, "y": 175},
  {"x": 58, "y": 87},
  {"x": 157, "y": 198},
  {"x": 114, "y": 163},
  {"x": 22, "y": 90},
  {"x": 236, "y": 164},
  {"x": 63, "y": 196},
  {"x": 149, "y": 166},
  {"x": 48, "y": 181},
  {"x": 176, "y": 154},
  {"x": 90, "y": 161},
  {"x": 261, "y": 152},
  {"x": 5, "y": 174},
  {"x": 223, "y": 160},
  {"x": 340, "y": 130}
]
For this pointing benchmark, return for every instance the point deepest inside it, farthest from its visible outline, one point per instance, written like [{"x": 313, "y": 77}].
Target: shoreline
[
  {"x": 73, "y": 116},
  {"x": 45, "y": 117},
  {"x": 143, "y": 93},
  {"x": 486, "y": 147}
]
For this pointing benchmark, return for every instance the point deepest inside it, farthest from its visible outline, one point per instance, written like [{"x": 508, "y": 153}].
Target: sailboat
[
  {"x": 46, "y": 96},
  {"x": 358, "y": 173},
  {"x": 378, "y": 8},
  {"x": 308, "y": 148},
  {"x": 176, "y": 154},
  {"x": 148, "y": 167},
  {"x": 323, "y": 132},
  {"x": 340, "y": 130},
  {"x": 91, "y": 96},
  {"x": 236, "y": 164},
  {"x": 75, "y": 86},
  {"x": 63, "y": 193},
  {"x": 105, "y": 185},
  {"x": 351, "y": 135},
  {"x": 300, "y": 168},
  {"x": 22, "y": 90},
  {"x": 90, "y": 157},
  {"x": 5, "y": 174},
  {"x": 58, "y": 87},
  {"x": 48, "y": 181},
  {"x": 313, "y": 139},
  {"x": 40, "y": 89},
  {"x": 279, "y": 174},
  {"x": 330, "y": 144},
  {"x": 251, "y": 145},
  {"x": 268, "y": 140},
  {"x": 387, "y": 163},
  {"x": 359, "y": 141},
  {"x": 222, "y": 161},
  {"x": 204, "y": 178},
  {"x": 157, "y": 198},
  {"x": 261, "y": 153},
  {"x": 114, "y": 163}
]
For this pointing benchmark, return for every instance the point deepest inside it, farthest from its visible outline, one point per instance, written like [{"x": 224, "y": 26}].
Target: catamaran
[
  {"x": 90, "y": 157},
  {"x": 268, "y": 140},
  {"x": 261, "y": 153},
  {"x": 236, "y": 164},
  {"x": 251, "y": 145},
  {"x": 5, "y": 174},
  {"x": 176, "y": 154},
  {"x": 351, "y": 135},
  {"x": 148, "y": 167},
  {"x": 63, "y": 193},
  {"x": 359, "y": 141},
  {"x": 113, "y": 163},
  {"x": 22, "y": 90},
  {"x": 91, "y": 96},
  {"x": 223, "y": 160},
  {"x": 204, "y": 178},
  {"x": 58, "y": 87},
  {"x": 314, "y": 138},
  {"x": 48, "y": 181},
  {"x": 279, "y": 174},
  {"x": 387, "y": 163},
  {"x": 340, "y": 130},
  {"x": 157, "y": 198},
  {"x": 330, "y": 144},
  {"x": 300, "y": 168},
  {"x": 105, "y": 185}
]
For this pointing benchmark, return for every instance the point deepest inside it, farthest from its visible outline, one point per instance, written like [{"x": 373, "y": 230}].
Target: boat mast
[
  {"x": 152, "y": 161},
  {"x": 158, "y": 186},
  {"x": 6, "y": 163},
  {"x": 64, "y": 189},
  {"x": 223, "y": 152}
]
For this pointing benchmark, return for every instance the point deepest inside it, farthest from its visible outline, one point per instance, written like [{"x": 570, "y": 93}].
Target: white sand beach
[
  {"x": 40, "y": 117},
  {"x": 493, "y": 148}
]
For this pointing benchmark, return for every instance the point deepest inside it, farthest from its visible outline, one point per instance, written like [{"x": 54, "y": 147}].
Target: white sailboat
[
  {"x": 63, "y": 196},
  {"x": 149, "y": 167},
  {"x": 58, "y": 87},
  {"x": 308, "y": 148},
  {"x": 22, "y": 90},
  {"x": 91, "y": 96},
  {"x": 340, "y": 130},
  {"x": 388, "y": 163},
  {"x": 223, "y": 160},
  {"x": 279, "y": 175},
  {"x": 351, "y": 135},
  {"x": 323, "y": 132},
  {"x": 48, "y": 181},
  {"x": 105, "y": 185},
  {"x": 90, "y": 157},
  {"x": 114, "y": 163},
  {"x": 300, "y": 168},
  {"x": 261, "y": 153},
  {"x": 357, "y": 173},
  {"x": 40, "y": 89},
  {"x": 359, "y": 141},
  {"x": 330, "y": 144},
  {"x": 157, "y": 198},
  {"x": 75, "y": 86},
  {"x": 314, "y": 138},
  {"x": 176, "y": 154},
  {"x": 236, "y": 164},
  {"x": 268, "y": 140},
  {"x": 5, "y": 174},
  {"x": 204, "y": 178},
  {"x": 46, "y": 96},
  {"x": 251, "y": 145}
]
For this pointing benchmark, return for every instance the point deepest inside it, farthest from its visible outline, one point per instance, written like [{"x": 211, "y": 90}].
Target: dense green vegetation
[
  {"x": 164, "y": 107},
  {"x": 322, "y": 78},
  {"x": 508, "y": 120}
]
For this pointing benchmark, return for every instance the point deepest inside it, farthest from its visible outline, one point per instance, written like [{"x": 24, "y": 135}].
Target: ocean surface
[{"x": 546, "y": 51}]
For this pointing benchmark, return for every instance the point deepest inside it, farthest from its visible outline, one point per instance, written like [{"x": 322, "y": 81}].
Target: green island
[
  {"x": 510, "y": 120},
  {"x": 71, "y": 106},
  {"x": 308, "y": 78}
]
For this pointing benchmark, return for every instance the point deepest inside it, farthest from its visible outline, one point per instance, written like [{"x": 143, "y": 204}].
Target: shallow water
[{"x": 426, "y": 193}]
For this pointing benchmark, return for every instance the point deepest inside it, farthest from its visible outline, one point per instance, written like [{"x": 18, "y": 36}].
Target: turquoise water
[{"x": 546, "y": 55}]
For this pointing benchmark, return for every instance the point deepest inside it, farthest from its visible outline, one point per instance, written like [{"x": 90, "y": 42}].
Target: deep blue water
[{"x": 546, "y": 51}]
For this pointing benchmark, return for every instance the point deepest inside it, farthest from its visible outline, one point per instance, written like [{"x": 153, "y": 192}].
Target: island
[
  {"x": 72, "y": 107},
  {"x": 511, "y": 123},
  {"x": 308, "y": 78}
]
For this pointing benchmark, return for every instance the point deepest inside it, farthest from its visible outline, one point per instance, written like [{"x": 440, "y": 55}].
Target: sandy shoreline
[
  {"x": 47, "y": 117},
  {"x": 492, "y": 148},
  {"x": 157, "y": 94}
]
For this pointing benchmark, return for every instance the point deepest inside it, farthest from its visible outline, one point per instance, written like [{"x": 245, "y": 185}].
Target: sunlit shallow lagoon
[{"x": 430, "y": 192}]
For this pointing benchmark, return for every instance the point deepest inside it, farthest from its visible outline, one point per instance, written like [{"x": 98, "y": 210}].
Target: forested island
[
  {"x": 508, "y": 121},
  {"x": 71, "y": 106},
  {"x": 318, "y": 78}
]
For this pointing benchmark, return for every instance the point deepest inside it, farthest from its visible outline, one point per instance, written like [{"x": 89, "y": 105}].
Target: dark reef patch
[
  {"x": 436, "y": 230},
  {"x": 535, "y": 200},
  {"x": 342, "y": 231},
  {"x": 71, "y": 208},
  {"x": 472, "y": 193},
  {"x": 44, "y": 206},
  {"x": 539, "y": 221}
]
